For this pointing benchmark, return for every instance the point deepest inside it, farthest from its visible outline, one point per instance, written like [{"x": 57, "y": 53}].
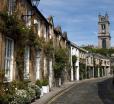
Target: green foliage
[
  {"x": 82, "y": 70},
  {"x": 61, "y": 59},
  {"x": 38, "y": 83},
  {"x": 21, "y": 97},
  {"x": 74, "y": 58},
  {"x": 18, "y": 92},
  {"x": 31, "y": 93},
  {"x": 48, "y": 48},
  {"x": 7, "y": 92},
  {"x": 41, "y": 83},
  {"x": 20, "y": 84},
  {"x": 102, "y": 51},
  {"x": 1, "y": 76},
  {"x": 12, "y": 26},
  {"x": 36, "y": 89},
  {"x": 45, "y": 82}
]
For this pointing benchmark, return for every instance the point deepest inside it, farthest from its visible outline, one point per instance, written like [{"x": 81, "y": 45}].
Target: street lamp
[{"x": 35, "y": 2}]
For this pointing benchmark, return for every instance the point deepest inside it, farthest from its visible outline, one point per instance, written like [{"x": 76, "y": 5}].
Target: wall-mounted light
[{"x": 35, "y": 2}]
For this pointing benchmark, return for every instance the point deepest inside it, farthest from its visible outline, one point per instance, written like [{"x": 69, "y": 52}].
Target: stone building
[
  {"x": 82, "y": 63},
  {"x": 34, "y": 62},
  {"x": 104, "y": 37},
  {"x": 97, "y": 65}
]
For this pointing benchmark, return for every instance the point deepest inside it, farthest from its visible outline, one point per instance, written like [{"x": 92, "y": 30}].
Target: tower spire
[{"x": 104, "y": 32}]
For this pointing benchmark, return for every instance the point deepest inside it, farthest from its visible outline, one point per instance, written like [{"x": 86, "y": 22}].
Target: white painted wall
[{"x": 75, "y": 51}]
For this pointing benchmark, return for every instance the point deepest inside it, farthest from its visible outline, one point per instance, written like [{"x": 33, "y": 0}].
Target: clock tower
[{"x": 103, "y": 32}]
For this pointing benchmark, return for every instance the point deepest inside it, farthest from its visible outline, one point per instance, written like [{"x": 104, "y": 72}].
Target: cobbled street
[{"x": 89, "y": 92}]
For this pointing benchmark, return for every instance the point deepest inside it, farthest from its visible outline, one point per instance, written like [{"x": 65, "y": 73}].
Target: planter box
[{"x": 45, "y": 89}]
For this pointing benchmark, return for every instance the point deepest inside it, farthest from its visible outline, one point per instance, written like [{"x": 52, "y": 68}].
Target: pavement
[
  {"x": 54, "y": 92},
  {"x": 58, "y": 91}
]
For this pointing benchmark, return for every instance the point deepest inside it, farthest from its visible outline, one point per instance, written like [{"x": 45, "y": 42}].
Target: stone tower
[{"x": 103, "y": 32}]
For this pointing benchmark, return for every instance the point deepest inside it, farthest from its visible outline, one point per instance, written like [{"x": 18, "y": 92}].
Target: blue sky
[{"x": 79, "y": 17}]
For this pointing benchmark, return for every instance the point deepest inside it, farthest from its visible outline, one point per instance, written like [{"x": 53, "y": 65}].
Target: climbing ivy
[{"x": 15, "y": 28}]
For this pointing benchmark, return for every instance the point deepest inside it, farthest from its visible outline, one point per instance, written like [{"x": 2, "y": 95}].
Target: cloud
[{"x": 79, "y": 17}]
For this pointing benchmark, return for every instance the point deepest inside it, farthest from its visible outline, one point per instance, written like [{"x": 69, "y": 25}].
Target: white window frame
[
  {"x": 9, "y": 51},
  {"x": 26, "y": 62}
]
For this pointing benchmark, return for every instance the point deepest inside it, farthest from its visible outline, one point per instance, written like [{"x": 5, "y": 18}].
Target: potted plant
[{"x": 45, "y": 86}]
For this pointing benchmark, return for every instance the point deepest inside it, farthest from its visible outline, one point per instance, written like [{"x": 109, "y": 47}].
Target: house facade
[
  {"x": 33, "y": 58},
  {"x": 97, "y": 65},
  {"x": 82, "y": 63},
  {"x": 28, "y": 46},
  {"x": 74, "y": 65}
]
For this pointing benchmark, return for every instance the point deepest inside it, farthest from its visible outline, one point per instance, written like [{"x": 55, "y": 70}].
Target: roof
[
  {"x": 74, "y": 45},
  {"x": 39, "y": 13}
]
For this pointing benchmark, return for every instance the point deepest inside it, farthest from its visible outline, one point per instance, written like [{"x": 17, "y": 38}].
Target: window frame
[{"x": 9, "y": 56}]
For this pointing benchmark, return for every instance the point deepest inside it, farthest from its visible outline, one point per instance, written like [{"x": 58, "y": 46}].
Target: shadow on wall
[{"x": 106, "y": 91}]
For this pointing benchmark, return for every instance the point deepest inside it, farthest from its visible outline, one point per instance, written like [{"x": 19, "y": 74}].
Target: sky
[{"x": 79, "y": 18}]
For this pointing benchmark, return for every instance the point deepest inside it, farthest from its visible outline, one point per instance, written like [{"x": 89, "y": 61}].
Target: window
[
  {"x": 26, "y": 62},
  {"x": 103, "y": 27},
  {"x": 103, "y": 43},
  {"x": 37, "y": 26},
  {"x": 45, "y": 32},
  {"x": 9, "y": 46},
  {"x": 11, "y": 6}
]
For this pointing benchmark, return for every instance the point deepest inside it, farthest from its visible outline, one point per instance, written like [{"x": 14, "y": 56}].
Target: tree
[{"x": 61, "y": 59}]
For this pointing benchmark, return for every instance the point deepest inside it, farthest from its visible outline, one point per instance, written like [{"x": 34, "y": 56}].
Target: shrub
[
  {"x": 38, "y": 83},
  {"x": 45, "y": 82},
  {"x": 7, "y": 92},
  {"x": 18, "y": 84},
  {"x": 37, "y": 90},
  {"x": 21, "y": 97},
  {"x": 5, "y": 99},
  {"x": 31, "y": 94}
]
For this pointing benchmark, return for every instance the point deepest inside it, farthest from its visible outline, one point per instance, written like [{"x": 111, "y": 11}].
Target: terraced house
[
  {"x": 28, "y": 41},
  {"x": 74, "y": 59},
  {"x": 31, "y": 47},
  {"x": 97, "y": 65},
  {"x": 23, "y": 42}
]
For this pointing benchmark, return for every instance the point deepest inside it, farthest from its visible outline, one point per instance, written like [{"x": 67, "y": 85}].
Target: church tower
[{"x": 103, "y": 32}]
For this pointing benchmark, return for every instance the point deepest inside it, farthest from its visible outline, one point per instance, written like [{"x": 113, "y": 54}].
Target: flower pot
[
  {"x": 41, "y": 92},
  {"x": 45, "y": 89}
]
